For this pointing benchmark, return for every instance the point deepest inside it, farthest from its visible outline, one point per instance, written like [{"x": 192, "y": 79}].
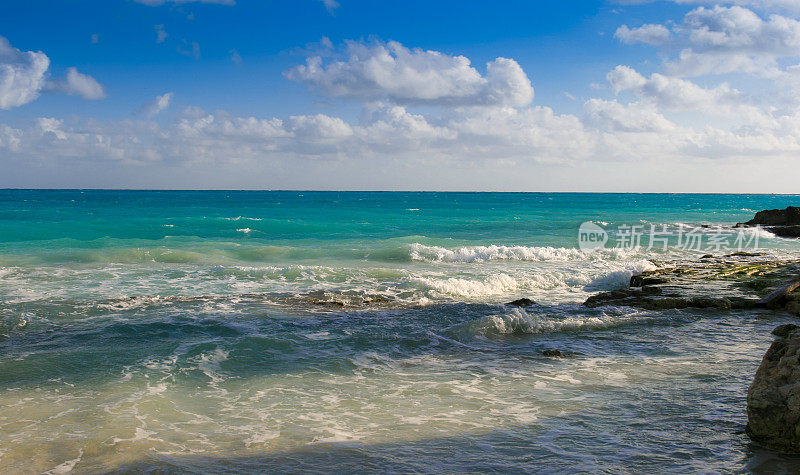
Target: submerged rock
[
  {"x": 523, "y": 302},
  {"x": 773, "y": 400},
  {"x": 552, "y": 353}
]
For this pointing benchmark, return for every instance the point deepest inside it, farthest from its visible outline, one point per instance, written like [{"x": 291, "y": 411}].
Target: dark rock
[
  {"x": 523, "y": 302},
  {"x": 653, "y": 281},
  {"x": 636, "y": 281},
  {"x": 784, "y": 330},
  {"x": 745, "y": 254},
  {"x": 793, "y": 305},
  {"x": 779, "y": 298},
  {"x": 776, "y": 217},
  {"x": 785, "y": 231},
  {"x": 651, "y": 298},
  {"x": 552, "y": 353},
  {"x": 773, "y": 400},
  {"x": 707, "y": 256}
]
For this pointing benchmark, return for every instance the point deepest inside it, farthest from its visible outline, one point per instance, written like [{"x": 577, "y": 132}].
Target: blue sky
[{"x": 717, "y": 113}]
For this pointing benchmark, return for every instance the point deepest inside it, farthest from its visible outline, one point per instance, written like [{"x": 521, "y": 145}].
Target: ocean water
[{"x": 220, "y": 331}]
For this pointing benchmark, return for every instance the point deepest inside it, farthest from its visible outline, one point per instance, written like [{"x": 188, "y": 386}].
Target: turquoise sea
[{"x": 237, "y": 331}]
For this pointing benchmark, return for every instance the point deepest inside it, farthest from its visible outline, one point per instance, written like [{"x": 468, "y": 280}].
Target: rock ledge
[{"x": 773, "y": 400}]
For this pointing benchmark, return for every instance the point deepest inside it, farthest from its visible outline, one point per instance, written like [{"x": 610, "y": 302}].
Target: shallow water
[{"x": 213, "y": 331}]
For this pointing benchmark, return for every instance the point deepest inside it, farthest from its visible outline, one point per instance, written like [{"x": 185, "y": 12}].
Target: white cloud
[
  {"x": 673, "y": 93},
  {"x": 721, "y": 40},
  {"x": 22, "y": 75},
  {"x": 395, "y": 73},
  {"x": 191, "y": 49},
  {"x": 235, "y": 56},
  {"x": 484, "y": 121},
  {"x": 769, "y": 5},
  {"x": 161, "y": 34},
  {"x": 615, "y": 117},
  {"x": 649, "y": 34},
  {"x": 154, "y": 107},
  {"x": 741, "y": 30},
  {"x": 77, "y": 84},
  {"x": 330, "y": 5}
]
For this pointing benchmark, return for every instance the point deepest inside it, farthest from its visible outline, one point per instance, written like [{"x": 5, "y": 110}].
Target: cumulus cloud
[
  {"x": 77, "y": 84},
  {"x": 154, "y": 107},
  {"x": 615, "y": 117},
  {"x": 741, "y": 30},
  {"x": 392, "y": 72},
  {"x": 673, "y": 93},
  {"x": 724, "y": 39},
  {"x": 769, "y": 5},
  {"x": 481, "y": 117},
  {"x": 22, "y": 75},
  {"x": 649, "y": 34}
]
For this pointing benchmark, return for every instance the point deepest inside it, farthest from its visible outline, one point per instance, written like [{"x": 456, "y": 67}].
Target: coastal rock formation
[
  {"x": 773, "y": 400},
  {"x": 781, "y": 222},
  {"x": 776, "y": 217},
  {"x": 653, "y": 299},
  {"x": 785, "y": 231}
]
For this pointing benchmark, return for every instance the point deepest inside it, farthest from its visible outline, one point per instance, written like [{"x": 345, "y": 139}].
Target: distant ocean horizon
[{"x": 226, "y": 330}]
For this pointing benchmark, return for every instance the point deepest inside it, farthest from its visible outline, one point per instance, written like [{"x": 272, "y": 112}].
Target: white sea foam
[
  {"x": 245, "y": 230},
  {"x": 493, "y": 285},
  {"x": 239, "y": 218},
  {"x": 518, "y": 321},
  {"x": 759, "y": 232},
  {"x": 67, "y": 466},
  {"x": 620, "y": 278},
  {"x": 421, "y": 252}
]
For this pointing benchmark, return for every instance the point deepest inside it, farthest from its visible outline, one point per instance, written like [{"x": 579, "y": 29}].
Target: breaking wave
[
  {"x": 521, "y": 322},
  {"x": 421, "y": 252}
]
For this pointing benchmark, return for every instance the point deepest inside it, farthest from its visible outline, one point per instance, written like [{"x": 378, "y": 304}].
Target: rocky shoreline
[
  {"x": 780, "y": 222},
  {"x": 740, "y": 281}
]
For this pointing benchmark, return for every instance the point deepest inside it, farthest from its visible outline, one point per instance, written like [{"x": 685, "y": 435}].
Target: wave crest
[
  {"x": 520, "y": 322},
  {"x": 422, "y": 252}
]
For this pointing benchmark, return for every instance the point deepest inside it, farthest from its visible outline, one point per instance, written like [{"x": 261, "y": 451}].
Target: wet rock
[
  {"x": 773, "y": 400},
  {"x": 784, "y": 330},
  {"x": 651, "y": 298},
  {"x": 653, "y": 281},
  {"x": 707, "y": 256},
  {"x": 523, "y": 302},
  {"x": 793, "y": 305},
  {"x": 780, "y": 297},
  {"x": 552, "y": 353},
  {"x": 776, "y": 217},
  {"x": 785, "y": 231},
  {"x": 636, "y": 281}
]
